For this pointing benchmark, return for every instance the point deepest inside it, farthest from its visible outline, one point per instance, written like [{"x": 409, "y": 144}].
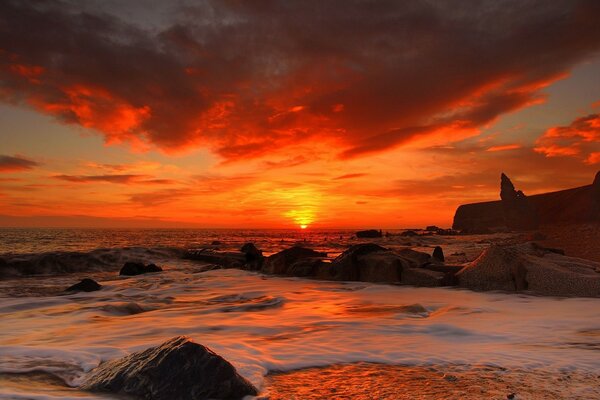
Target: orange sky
[{"x": 280, "y": 114}]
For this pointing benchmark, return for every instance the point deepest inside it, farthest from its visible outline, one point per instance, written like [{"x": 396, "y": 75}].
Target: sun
[{"x": 303, "y": 226}]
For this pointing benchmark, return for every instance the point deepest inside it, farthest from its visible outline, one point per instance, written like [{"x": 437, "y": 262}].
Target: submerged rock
[
  {"x": 138, "y": 268},
  {"x": 287, "y": 261},
  {"x": 86, "y": 285},
  {"x": 179, "y": 369},
  {"x": 369, "y": 233},
  {"x": 530, "y": 267}
]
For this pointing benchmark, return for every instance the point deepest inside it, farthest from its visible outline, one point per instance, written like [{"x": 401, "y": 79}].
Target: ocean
[{"x": 266, "y": 323}]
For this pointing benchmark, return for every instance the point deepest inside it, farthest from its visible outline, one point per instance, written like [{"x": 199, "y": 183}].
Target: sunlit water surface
[{"x": 263, "y": 323}]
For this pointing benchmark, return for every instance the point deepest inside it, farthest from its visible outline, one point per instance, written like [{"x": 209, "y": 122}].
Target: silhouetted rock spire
[{"x": 518, "y": 213}]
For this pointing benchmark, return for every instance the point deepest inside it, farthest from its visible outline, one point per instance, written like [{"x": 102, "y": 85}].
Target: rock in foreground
[
  {"x": 529, "y": 267},
  {"x": 179, "y": 369}
]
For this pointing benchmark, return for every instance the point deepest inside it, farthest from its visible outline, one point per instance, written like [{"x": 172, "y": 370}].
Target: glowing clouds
[{"x": 581, "y": 138}]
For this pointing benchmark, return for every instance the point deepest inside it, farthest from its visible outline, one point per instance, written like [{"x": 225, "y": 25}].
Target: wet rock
[
  {"x": 529, "y": 267},
  {"x": 370, "y": 262},
  {"x": 179, "y": 369},
  {"x": 253, "y": 256},
  {"x": 284, "y": 262},
  {"x": 438, "y": 254},
  {"x": 424, "y": 277},
  {"x": 306, "y": 267},
  {"x": 138, "y": 268},
  {"x": 432, "y": 228},
  {"x": 418, "y": 258},
  {"x": 370, "y": 233},
  {"x": 365, "y": 262},
  {"x": 216, "y": 243},
  {"x": 86, "y": 285}
]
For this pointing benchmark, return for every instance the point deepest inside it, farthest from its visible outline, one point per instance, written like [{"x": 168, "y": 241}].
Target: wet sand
[{"x": 364, "y": 381}]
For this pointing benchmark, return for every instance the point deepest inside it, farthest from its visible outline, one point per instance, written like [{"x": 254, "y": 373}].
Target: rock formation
[
  {"x": 297, "y": 261},
  {"x": 178, "y": 369},
  {"x": 518, "y": 213},
  {"x": 529, "y": 267},
  {"x": 438, "y": 254}
]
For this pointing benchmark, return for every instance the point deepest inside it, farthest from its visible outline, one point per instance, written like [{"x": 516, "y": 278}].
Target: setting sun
[{"x": 303, "y": 226}]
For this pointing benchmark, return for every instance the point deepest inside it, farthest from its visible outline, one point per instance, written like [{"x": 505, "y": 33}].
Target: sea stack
[{"x": 518, "y": 212}]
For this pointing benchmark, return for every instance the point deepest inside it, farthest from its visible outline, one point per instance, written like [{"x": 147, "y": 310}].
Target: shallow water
[{"x": 264, "y": 323}]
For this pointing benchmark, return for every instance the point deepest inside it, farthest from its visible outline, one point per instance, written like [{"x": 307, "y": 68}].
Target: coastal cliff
[{"x": 519, "y": 212}]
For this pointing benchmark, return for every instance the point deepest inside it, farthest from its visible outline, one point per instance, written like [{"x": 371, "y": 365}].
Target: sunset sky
[{"x": 267, "y": 114}]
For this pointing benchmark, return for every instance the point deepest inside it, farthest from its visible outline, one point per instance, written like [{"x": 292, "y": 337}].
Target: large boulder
[
  {"x": 286, "y": 261},
  {"x": 179, "y": 369},
  {"x": 529, "y": 267},
  {"x": 86, "y": 285},
  {"x": 138, "y": 268},
  {"x": 370, "y": 233},
  {"x": 370, "y": 262},
  {"x": 518, "y": 212}
]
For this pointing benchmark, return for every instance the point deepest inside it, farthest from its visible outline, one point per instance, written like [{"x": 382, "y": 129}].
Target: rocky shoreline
[{"x": 525, "y": 267}]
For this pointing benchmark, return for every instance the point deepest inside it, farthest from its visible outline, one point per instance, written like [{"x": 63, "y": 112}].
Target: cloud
[
  {"x": 16, "y": 163},
  {"x": 349, "y": 176},
  {"x": 247, "y": 79},
  {"x": 578, "y": 139},
  {"x": 117, "y": 178},
  {"x": 504, "y": 147}
]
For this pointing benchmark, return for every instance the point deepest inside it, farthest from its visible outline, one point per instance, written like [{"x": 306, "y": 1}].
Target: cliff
[{"x": 577, "y": 205}]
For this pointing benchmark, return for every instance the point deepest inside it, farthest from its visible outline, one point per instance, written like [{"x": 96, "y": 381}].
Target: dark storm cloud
[
  {"x": 249, "y": 78},
  {"x": 15, "y": 163}
]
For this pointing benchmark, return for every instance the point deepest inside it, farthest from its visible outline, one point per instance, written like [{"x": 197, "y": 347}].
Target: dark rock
[
  {"x": 86, "y": 285},
  {"x": 372, "y": 263},
  {"x": 282, "y": 263},
  {"x": 518, "y": 212},
  {"x": 533, "y": 268},
  {"x": 138, "y": 268},
  {"x": 418, "y": 258},
  {"x": 438, "y": 254},
  {"x": 306, "y": 267},
  {"x": 216, "y": 243},
  {"x": 432, "y": 228},
  {"x": 253, "y": 256},
  {"x": 371, "y": 233},
  {"x": 179, "y": 369},
  {"x": 367, "y": 262},
  {"x": 409, "y": 233}
]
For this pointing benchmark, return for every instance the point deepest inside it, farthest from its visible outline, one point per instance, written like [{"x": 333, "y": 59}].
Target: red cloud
[
  {"x": 15, "y": 164},
  {"x": 580, "y": 138},
  {"x": 261, "y": 77}
]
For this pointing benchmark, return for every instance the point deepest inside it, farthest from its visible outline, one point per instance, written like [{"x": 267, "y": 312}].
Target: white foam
[{"x": 315, "y": 323}]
